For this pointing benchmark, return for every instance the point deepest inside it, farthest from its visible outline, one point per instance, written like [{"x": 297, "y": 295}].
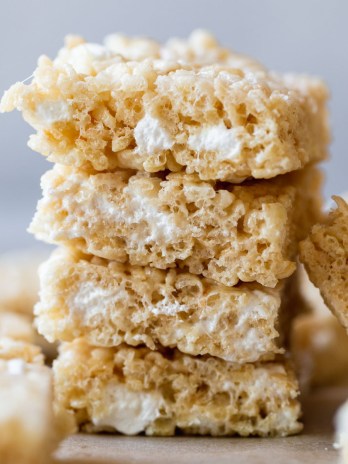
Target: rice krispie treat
[
  {"x": 325, "y": 256},
  {"x": 109, "y": 303},
  {"x": 189, "y": 106},
  {"x": 133, "y": 390},
  {"x": 227, "y": 233},
  {"x": 27, "y": 433}
]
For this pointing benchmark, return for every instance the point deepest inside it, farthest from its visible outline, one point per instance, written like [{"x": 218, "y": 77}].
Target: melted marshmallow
[
  {"x": 217, "y": 139},
  {"x": 127, "y": 411},
  {"x": 151, "y": 137},
  {"x": 49, "y": 112}
]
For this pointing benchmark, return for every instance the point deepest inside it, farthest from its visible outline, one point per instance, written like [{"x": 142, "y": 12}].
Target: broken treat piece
[
  {"x": 190, "y": 106},
  {"x": 110, "y": 303},
  {"x": 227, "y": 233},
  {"x": 325, "y": 256},
  {"x": 134, "y": 390}
]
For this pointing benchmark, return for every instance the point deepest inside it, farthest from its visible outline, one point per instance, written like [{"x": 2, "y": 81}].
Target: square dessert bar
[
  {"x": 133, "y": 390},
  {"x": 224, "y": 232},
  {"x": 189, "y": 106},
  {"x": 109, "y": 303},
  {"x": 325, "y": 256},
  {"x": 29, "y": 429},
  {"x": 28, "y": 433}
]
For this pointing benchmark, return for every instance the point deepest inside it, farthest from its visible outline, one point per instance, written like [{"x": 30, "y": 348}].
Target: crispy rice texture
[
  {"x": 186, "y": 106},
  {"x": 325, "y": 256},
  {"x": 110, "y": 303},
  {"x": 133, "y": 390},
  {"x": 225, "y": 232}
]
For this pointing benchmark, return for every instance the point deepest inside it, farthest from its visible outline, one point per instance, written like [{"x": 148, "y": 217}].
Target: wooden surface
[{"x": 314, "y": 445}]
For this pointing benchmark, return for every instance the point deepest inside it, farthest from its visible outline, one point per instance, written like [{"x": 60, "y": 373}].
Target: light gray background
[{"x": 296, "y": 35}]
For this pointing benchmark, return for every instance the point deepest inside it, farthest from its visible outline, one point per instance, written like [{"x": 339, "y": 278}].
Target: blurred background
[{"x": 302, "y": 36}]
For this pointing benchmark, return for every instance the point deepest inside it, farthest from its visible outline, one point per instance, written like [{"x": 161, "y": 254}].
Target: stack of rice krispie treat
[{"x": 183, "y": 182}]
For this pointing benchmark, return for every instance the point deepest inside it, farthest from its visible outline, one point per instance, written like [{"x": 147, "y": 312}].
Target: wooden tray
[{"x": 314, "y": 445}]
